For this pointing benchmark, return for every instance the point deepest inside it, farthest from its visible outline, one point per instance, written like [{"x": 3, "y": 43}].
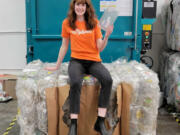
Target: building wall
[{"x": 13, "y": 36}]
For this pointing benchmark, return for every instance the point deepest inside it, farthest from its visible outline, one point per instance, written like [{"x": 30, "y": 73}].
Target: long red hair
[{"x": 89, "y": 15}]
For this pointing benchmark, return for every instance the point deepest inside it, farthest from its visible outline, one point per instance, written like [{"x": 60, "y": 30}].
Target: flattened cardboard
[
  {"x": 126, "y": 101},
  {"x": 53, "y": 110},
  {"x": 88, "y": 109},
  {"x": 63, "y": 94}
]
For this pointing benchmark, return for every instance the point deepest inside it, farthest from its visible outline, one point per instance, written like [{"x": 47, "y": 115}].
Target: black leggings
[{"x": 76, "y": 69}]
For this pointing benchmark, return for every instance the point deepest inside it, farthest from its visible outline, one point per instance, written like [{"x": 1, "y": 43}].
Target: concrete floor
[
  {"x": 7, "y": 113},
  {"x": 166, "y": 124}
]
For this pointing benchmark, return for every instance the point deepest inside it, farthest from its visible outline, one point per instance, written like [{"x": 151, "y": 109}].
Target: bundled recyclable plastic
[
  {"x": 145, "y": 99},
  {"x": 26, "y": 91},
  {"x": 173, "y": 25},
  {"x": 170, "y": 77},
  {"x": 46, "y": 80},
  {"x": 30, "y": 91},
  {"x": 32, "y": 69}
]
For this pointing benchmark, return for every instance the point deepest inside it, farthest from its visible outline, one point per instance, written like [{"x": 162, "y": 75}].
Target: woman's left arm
[{"x": 101, "y": 43}]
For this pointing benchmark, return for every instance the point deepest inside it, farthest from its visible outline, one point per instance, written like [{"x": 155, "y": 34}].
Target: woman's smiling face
[{"x": 80, "y": 8}]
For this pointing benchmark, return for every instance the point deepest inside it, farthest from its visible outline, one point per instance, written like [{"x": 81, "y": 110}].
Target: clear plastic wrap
[
  {"x": 170, "y": 77},
  {"x": 45, "y": 80},
  {"x": 139, "y": 129},
  {"x": 168, "y": 26},
  {"x": 144, "y": 116},
  {"x": 163, "y": 66},
  {"x": 32, "y": 69},
  {"x": 163, "y": 13},
  {"x": 63, "y": 80},
  {"x": 26, "y": 91},
  {"x": 64, "y": 68},
  {"x": 42, "y": 117},
  {"x": 176, "y": 25},
  {"x": 30, "y": 91},
  {"x": 26, "y": 128},
  {"x": 173, "y": 25},
  {"x": 31, "y": 94},
  {"x": 145, "y": 94}
]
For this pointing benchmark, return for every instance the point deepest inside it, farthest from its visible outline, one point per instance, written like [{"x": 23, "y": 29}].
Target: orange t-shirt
[{"x": 83, "y": 41}]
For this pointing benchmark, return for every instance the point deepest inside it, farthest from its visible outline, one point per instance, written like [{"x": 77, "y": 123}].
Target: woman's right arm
[{"x": 62, "y": 52}]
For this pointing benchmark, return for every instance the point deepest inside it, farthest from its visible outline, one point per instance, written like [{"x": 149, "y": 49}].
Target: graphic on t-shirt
[{"x": 79, "y": 32}]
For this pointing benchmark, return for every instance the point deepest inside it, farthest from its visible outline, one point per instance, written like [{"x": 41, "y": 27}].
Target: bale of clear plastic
[
  {"x": 46, "y": 80},
  {"x": 30, "y": 91},
  {"x": 173, "y": 25},
  {"x": 32, "y": 69},
  {"x": 146, "y": 93},
  {"x": 143, "y": 80},
  {"x": 26, "y": 91},
  {"x": 170, "y": 78}
]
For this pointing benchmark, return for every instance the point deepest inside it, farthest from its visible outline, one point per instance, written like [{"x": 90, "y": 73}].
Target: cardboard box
[
  {"x": 9, "y": 84},
  {"x": 124, "y": 94},
  {"x": 63, "y": 93},
  {"x": 117, "y": 130},
  {"x": 125, "y": 112},
  {"x": 88, "y": 109},
  {"x": 52, "y": 107}
]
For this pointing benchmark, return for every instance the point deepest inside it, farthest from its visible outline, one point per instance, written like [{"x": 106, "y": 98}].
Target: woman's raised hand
[{"x": 109, "y": 30}]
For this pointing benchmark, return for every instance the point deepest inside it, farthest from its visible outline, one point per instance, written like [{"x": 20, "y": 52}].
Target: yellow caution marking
[
  {"x": 11, "y": 124},
  {"x": 8, "y": 128},
  {"x": 14, "y": 119},
  {"x": 6, "y": 133}
]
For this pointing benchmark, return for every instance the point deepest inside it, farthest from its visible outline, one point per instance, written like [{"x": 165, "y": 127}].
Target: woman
[{"x": 82, "y": 29}]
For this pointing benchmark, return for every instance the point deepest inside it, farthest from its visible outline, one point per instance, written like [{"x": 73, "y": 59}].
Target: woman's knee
[
  {"x": 76, "y": 84},
  {"x": 108, "y": 81}
]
